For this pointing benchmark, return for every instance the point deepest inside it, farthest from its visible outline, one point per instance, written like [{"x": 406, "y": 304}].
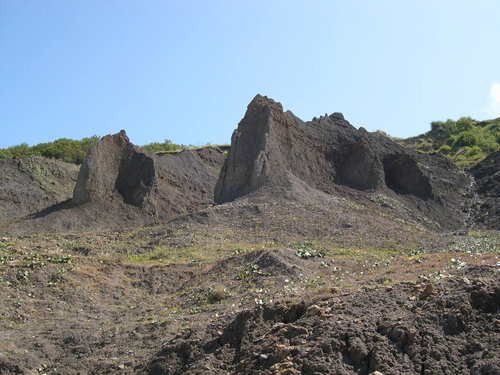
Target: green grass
[
  {"x": 7, "y": 252},
  {"x": 191, "y": 254},
  {"x": 74, "y": 151},
  {"x": 370, "y": 254},
  {"x": 68, "y": 150}
]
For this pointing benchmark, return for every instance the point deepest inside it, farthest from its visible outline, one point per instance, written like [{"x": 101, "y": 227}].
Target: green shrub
[
  {"x": 306, "y": 250},
  {"x": 466, "y": 138},
  {"x": 69, "y": 150},
  {"x": 166, "y": 146},
  {"x": 465, "y": 124},
  {"x": 465, "y": 141},
  {"x": 17, "y": 151},
  {"x": 72, "y": 151},
  {"x": 444, "y": 149},
  {"x": 473, "y": 151}
]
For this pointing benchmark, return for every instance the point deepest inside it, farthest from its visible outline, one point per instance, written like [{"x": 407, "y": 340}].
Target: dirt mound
[
  {"x": 120, "y": 185},
  {"x": 278, "y": 264},
  {"x": 450, "y": 327},
  {"x": 275, "y": 151},
  {"x": 32, "y": 183},
  {"x": 487, "y": 175},
  {"x": 186, "y": 180}
]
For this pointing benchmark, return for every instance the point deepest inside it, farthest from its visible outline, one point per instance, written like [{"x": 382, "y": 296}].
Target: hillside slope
[
  {"x": 309, "y": 247},
  {"x": 31, "y": 184},
  {"x": 487, "y": 175}
]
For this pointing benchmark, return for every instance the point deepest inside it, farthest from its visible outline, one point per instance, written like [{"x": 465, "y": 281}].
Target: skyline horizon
[
  {"x": 186, "y": 70},
  {"x": 285, "y": 109}
]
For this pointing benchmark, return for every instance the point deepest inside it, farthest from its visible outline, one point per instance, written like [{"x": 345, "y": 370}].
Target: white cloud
[
  {"x": 494, "y": 107},
  {"x": 495, "y": 92}
]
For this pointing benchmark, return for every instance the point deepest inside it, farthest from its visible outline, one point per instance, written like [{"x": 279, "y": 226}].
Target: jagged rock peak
[
  {"x": 275, "y": 151},
  {"x": 262, "y": 101},
  {"x": 337, "y": 116}
]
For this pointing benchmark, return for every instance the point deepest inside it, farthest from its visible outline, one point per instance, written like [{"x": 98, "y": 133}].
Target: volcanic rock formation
[
  {"x": 273, "y": 150},
  {"x": 115, "y": 168}
]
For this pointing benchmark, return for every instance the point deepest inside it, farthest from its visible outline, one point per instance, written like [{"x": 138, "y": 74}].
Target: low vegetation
[
  {"x": 465, "y": 141},
  {"x": 306, "y": 250},
  {"x": 166, "y": 146},
  {"x": 68, "y": 150},
  {"x": 73, "y": 151}
]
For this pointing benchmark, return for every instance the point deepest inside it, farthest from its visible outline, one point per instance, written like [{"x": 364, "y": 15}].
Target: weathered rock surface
[
  {"x": 116, "y": 169},
  {"x": 275, "y": 151},
  {"x": 487, "y": 175},
  {"x": 31, "y": 184}
]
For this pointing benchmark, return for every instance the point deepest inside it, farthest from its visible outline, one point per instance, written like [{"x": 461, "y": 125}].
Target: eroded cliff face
[
  {"x": 118, "y": 173},
  {"x": 487, "y": 175},
  {"x": 273, "y": 150}
]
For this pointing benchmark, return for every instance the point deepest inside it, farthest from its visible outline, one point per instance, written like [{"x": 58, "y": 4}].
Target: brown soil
[{"x": 106, "y": 303}]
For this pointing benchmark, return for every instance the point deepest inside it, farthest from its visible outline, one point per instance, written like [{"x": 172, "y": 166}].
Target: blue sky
[{"x": 185, "y": 70}]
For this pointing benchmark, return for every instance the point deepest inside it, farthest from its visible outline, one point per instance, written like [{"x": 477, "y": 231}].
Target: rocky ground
[
  {"x": 306, "y": 248},
  {"x": 445, "y": 327},
  {"x": 164, "y": 301}
]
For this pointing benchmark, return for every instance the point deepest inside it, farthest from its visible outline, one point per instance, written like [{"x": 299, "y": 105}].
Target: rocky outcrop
[
  {"x": 275, "y": 151},
  {"x": 31, "y": 184},
  {"x": 115, "y": 169},
  {"x": 487, "y": 175}
]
